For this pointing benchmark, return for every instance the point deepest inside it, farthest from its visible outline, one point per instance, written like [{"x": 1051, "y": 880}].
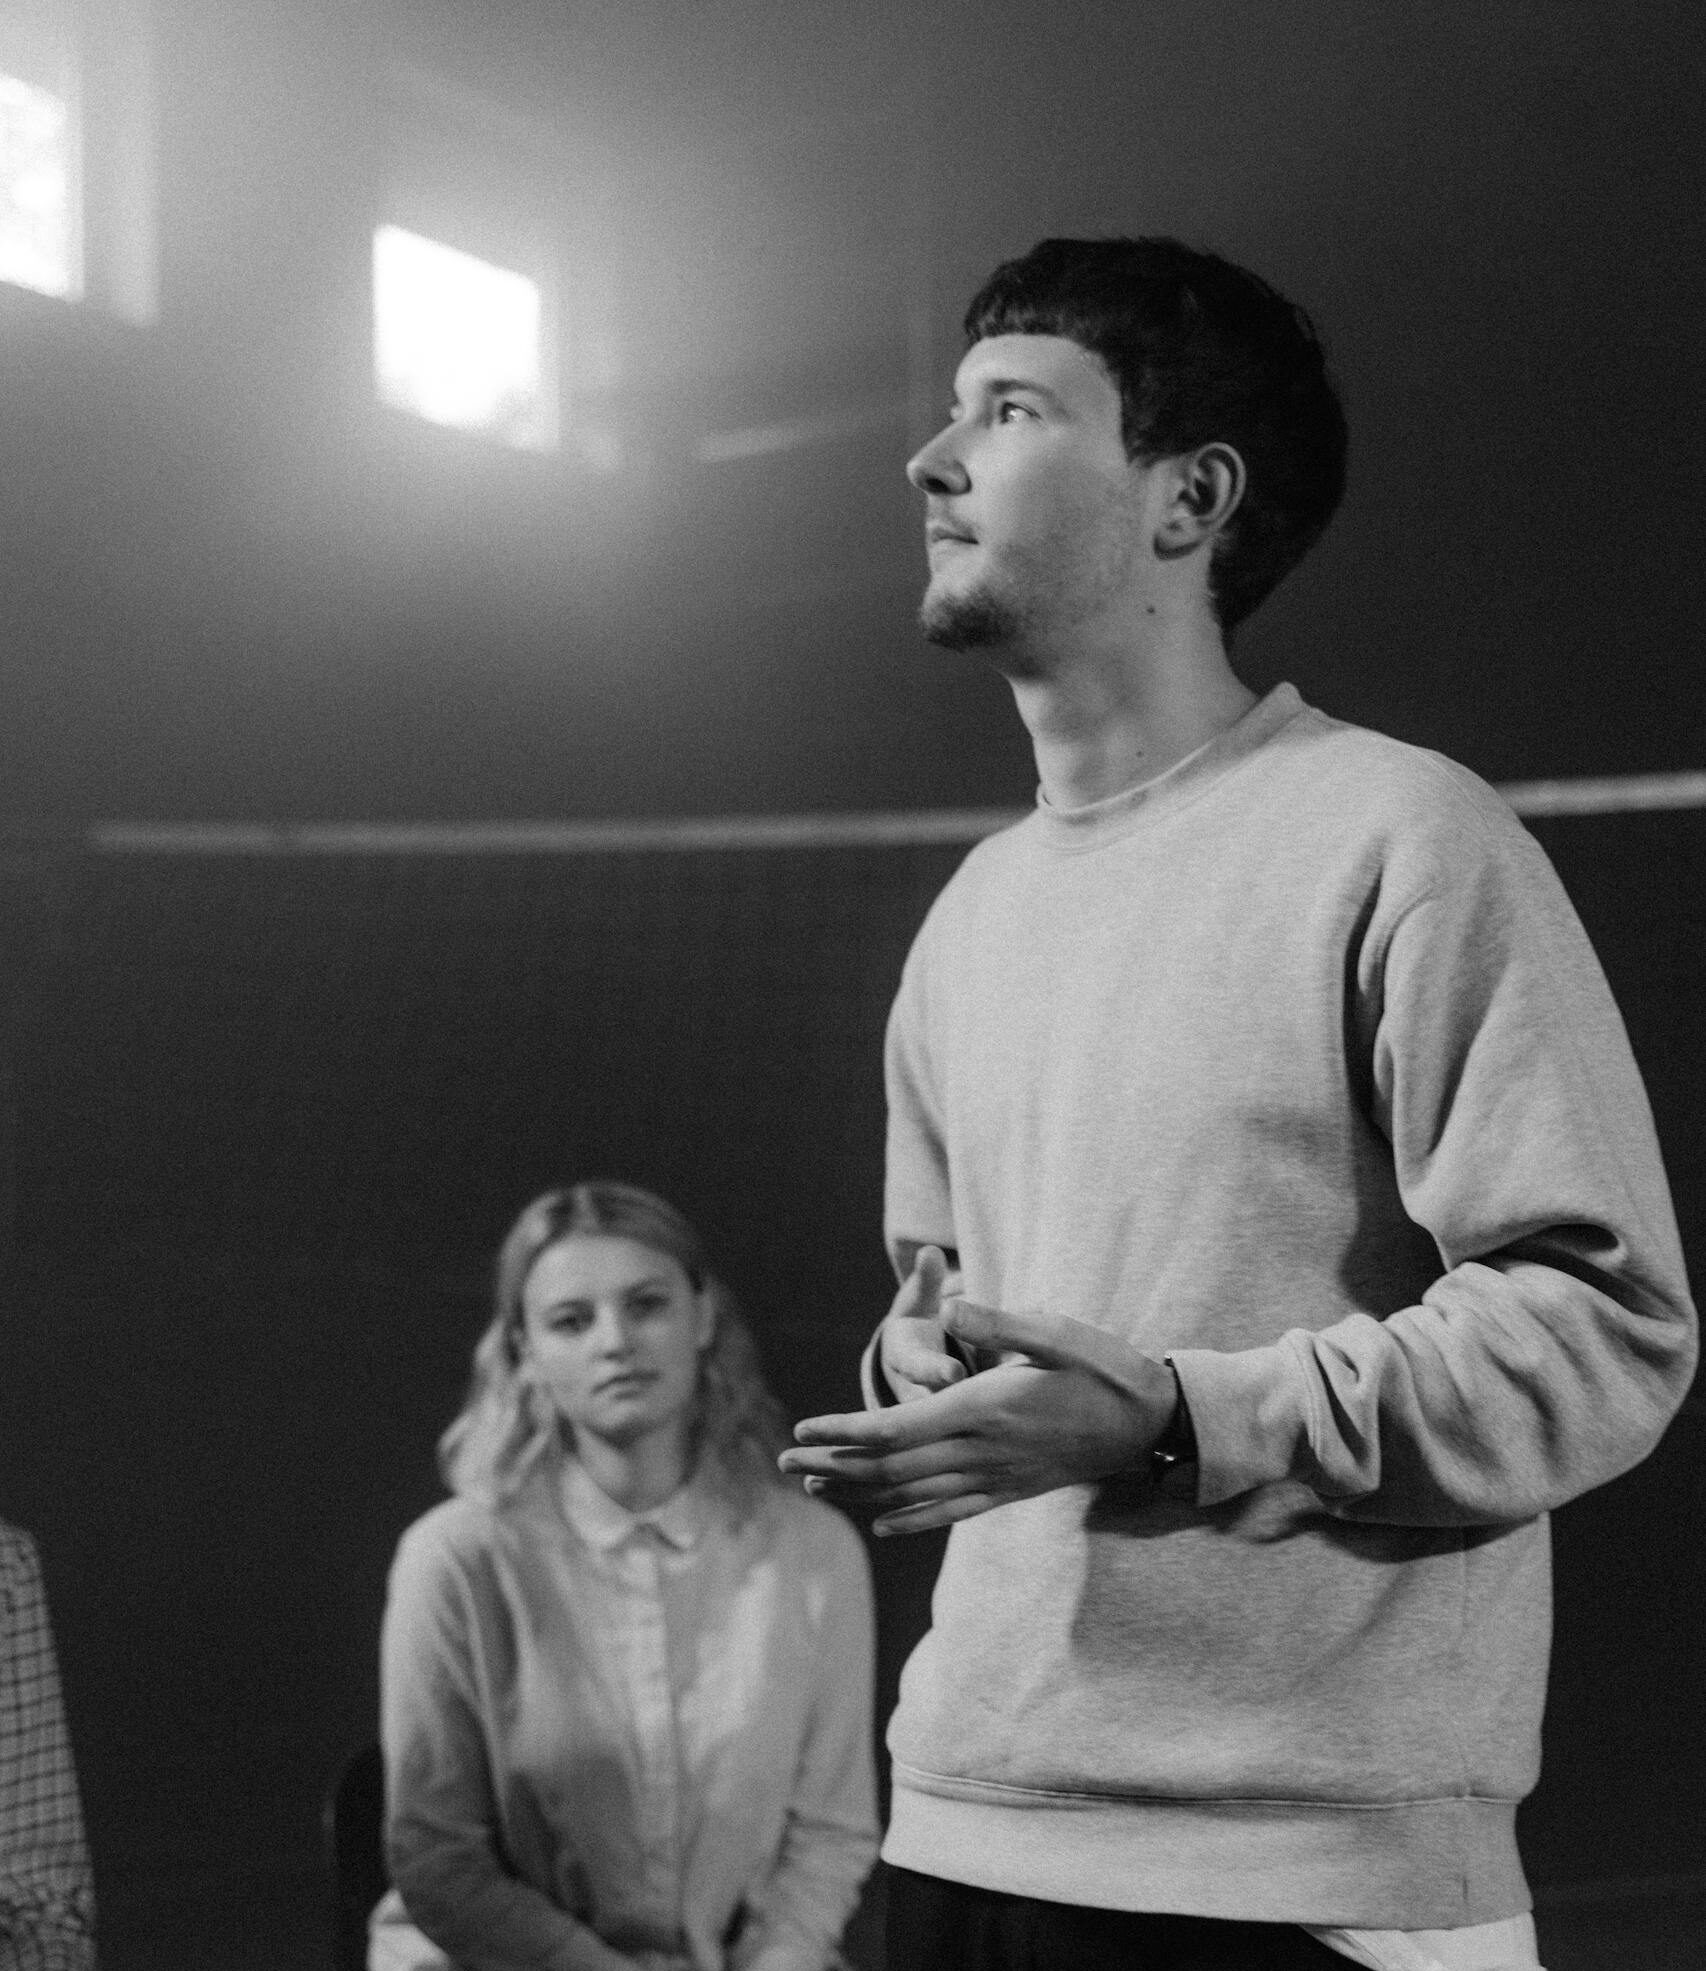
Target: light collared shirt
[
  {"x": 653, "y": 1729},
  {"x": 47, "y": 1897}
]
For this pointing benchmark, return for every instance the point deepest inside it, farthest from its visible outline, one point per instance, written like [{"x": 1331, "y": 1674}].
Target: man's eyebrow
[{"x": 1007, "y": 386}]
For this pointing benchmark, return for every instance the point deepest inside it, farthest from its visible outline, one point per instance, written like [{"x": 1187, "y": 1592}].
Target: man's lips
[{"x": 939, "y": 531}]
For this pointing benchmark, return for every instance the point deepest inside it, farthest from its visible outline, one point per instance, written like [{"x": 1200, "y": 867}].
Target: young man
[{"x": 1280, "y": 1220}]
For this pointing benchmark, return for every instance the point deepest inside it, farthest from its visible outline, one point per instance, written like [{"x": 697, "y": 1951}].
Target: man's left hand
[{"x": 1068, "y": 1405}]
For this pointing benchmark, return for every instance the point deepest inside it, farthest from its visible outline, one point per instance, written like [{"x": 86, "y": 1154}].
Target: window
[
  {"x": 458, "y": 340},
  {"x": 37, "y": 211},
  {"x": 467, "y": 263},
  {"x": 77, "y": 185},
  {"x": 40, "y": 199}
]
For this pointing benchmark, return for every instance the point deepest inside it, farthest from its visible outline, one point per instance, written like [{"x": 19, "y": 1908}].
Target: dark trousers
[{"x": 944, "y": 1926}]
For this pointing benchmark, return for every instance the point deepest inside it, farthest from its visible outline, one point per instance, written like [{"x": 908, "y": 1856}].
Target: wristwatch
[{"x": 1173, "y": 1457}]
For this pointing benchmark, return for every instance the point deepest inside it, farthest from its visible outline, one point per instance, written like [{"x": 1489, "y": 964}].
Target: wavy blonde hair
[{"x": 506, "y": 1426}]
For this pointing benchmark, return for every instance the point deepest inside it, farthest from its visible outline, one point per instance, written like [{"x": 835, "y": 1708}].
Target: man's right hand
[{"x": 914, "y": 1350}]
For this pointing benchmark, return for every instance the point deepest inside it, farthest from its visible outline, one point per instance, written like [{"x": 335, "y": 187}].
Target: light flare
[{"x": 456, "y": 340}]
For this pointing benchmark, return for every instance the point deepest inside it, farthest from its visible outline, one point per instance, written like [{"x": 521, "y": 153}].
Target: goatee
[{"x": 965, "y": 622}]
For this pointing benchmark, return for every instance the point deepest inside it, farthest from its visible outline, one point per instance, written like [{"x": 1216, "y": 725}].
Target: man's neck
[{"x": 1102, "y": 721}]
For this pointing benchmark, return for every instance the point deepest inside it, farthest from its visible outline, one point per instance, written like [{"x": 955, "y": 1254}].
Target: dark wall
[
  {"x": 230, "y": 585},
  {"x": 271, "y": 1115},
  {"x": 270, "y": 1119}
]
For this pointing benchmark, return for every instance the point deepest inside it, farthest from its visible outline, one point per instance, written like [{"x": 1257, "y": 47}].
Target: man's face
[{"x": 1034, "y": 516}]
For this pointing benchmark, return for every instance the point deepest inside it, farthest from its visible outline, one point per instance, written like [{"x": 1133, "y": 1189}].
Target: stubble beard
[
  {"x": 995, "y": 615},
  {"x": 971, "y": 620},
  {"x": 999, "y": 621},
  {"x": 1014, "y": 610}
]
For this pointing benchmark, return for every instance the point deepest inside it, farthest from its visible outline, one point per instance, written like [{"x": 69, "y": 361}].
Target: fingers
[
  {"x": 943, "y": 1413},
  {"x": 915, "y": 1359},
  {"x": 997, "y": 1330},
  {"x": 869, "y": 1428},
  {"x": 920, "y": 1294},
  {"x": 916, "y": 1362},
  {"x": 927, "y": 1518},
  {"x": 918, "y": 1506},
  {"x": 929, "y": 1270},
  {"x": 1061, "y": 1343},
  {"x": 868, "y": 1470},
  {"x": 867, "y": 1499}
]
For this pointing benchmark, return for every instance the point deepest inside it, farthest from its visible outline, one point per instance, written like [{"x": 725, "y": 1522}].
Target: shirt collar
[
  {"x": 1100, "y": 822},
  {"x": 601, "y": 1522}
]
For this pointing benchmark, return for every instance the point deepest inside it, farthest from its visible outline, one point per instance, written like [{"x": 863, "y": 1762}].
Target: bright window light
[
  {"x": 36, "y": 231},
  {"x": 457, "y": 340}
]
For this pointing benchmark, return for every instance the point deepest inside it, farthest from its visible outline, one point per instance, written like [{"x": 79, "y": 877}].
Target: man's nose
[{"x": 937, "y": 468}]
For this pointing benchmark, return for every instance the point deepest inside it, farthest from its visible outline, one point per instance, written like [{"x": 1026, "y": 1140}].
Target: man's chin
[{"x": 964, "y": 622}]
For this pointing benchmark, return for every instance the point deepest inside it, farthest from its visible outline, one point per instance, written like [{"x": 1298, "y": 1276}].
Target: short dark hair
[{"x": 1201, "y": 350}]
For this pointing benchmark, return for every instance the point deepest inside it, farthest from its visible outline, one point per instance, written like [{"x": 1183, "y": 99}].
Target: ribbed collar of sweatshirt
[{"x": 1101, "y": 822}]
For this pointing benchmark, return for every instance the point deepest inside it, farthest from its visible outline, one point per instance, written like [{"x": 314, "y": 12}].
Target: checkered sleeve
[{"x": 47, "y": 1898}]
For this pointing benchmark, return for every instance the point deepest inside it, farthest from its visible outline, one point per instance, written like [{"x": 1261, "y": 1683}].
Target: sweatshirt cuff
[
  {"x": 872, "y": 1382},
  {"x": 1250, "y": 1413}
]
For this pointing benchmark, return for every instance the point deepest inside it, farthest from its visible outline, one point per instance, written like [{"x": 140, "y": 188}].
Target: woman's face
[{"x": 613, "y": 1332}]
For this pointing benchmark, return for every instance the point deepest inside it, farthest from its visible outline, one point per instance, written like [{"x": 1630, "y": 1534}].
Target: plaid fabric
[{"x": 47, "y": 1897}]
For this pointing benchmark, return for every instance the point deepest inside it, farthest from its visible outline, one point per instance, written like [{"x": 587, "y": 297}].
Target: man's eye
[
  {"x": 649, "y": 1303},
  {"x": 573, "y": 1321},
  {"x": 1008, "y": 411}
]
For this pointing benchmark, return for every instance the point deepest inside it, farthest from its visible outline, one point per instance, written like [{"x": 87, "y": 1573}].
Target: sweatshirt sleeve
[
  {"x": 1560, "y": 1338},
  {"x": 830, "y": 1839},
  {"x": 917, "y": 1197},
  {"x": 441, "y": 1823}
]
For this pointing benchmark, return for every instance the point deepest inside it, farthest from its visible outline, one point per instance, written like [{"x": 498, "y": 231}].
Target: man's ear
[{"x": 1205, "y": 490}]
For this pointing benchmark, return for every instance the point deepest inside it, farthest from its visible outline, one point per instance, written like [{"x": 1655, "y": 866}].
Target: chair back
[{"x": 354, "y": 1824}]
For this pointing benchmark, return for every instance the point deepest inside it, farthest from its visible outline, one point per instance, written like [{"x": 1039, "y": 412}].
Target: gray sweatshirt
[{"x": 1295, "y": 1065}]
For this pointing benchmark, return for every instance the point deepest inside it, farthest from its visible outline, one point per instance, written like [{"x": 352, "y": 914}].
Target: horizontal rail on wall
[
  {"x": 1628, "y": 794},
  {"x": 759, "y": 831},
  {"x": 921, "y": 827}
]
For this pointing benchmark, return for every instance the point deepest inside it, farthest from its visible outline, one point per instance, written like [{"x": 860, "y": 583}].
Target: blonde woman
[{"x": 626, "y": 1669}]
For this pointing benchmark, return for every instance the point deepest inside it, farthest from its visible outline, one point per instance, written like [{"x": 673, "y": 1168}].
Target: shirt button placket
[{"x": 654, "y": 1711}]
